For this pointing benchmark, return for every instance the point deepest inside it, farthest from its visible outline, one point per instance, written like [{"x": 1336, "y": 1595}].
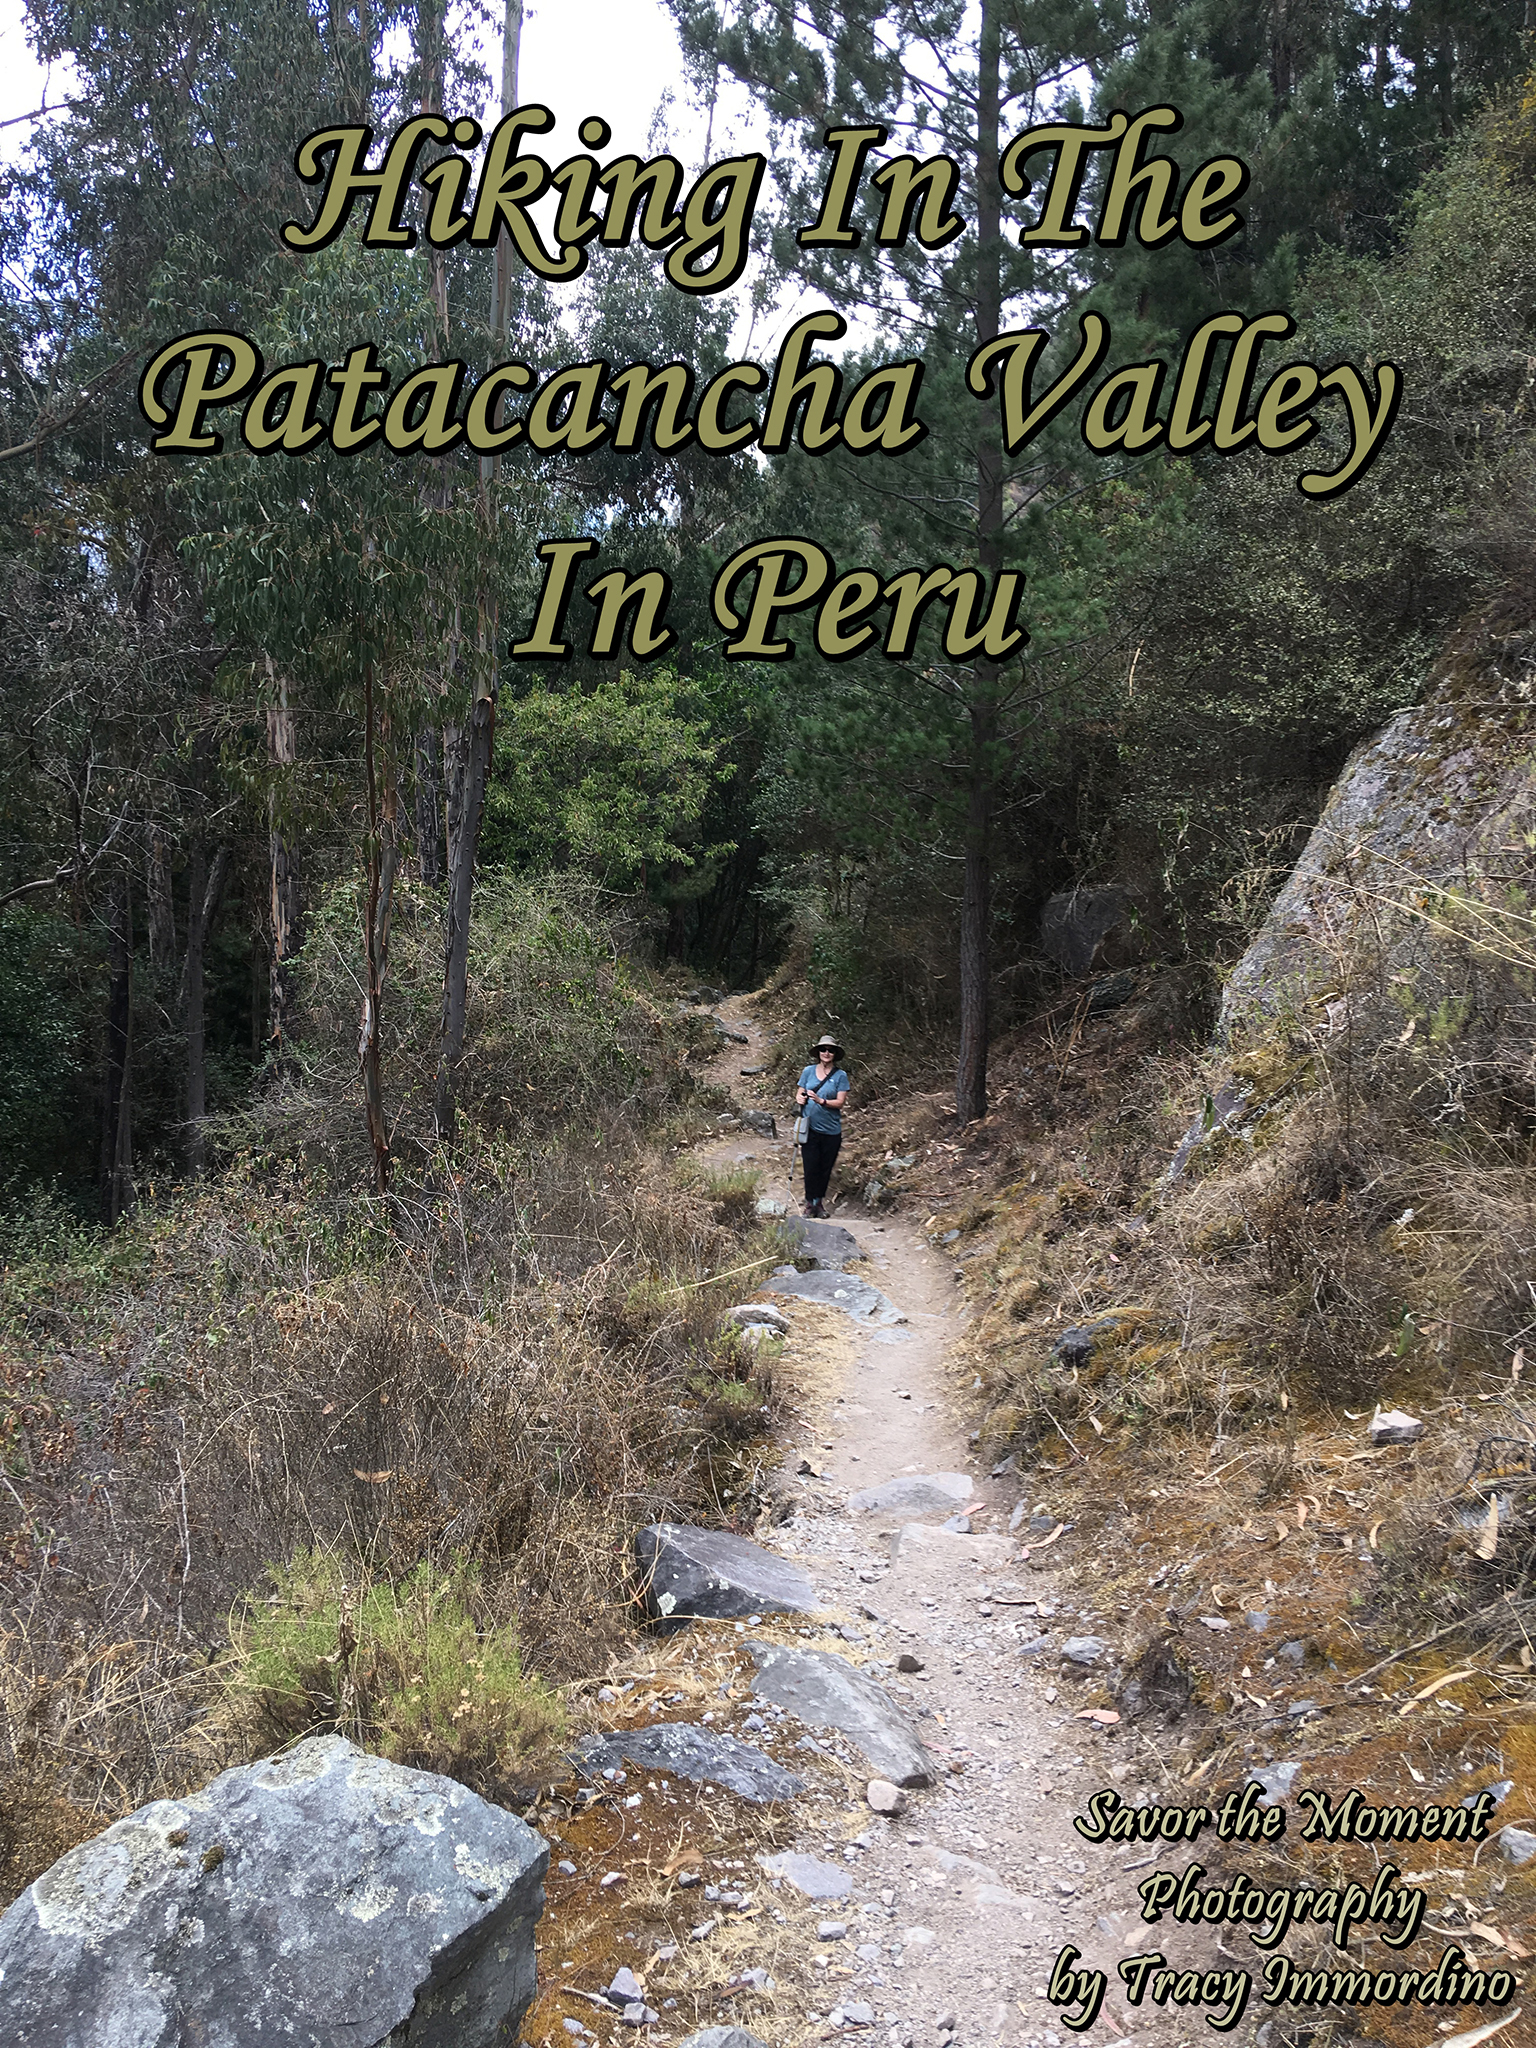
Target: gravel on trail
[{"x": 961, "y": 1897}]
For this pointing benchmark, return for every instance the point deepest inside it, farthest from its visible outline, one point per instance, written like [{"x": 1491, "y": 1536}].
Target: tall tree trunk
[
  {"x": 286, "y": 904},
  {"x": 161, "y": 900},
  {"x": 383, "y": 858},
  {"x": 438, "y": 492},
  {"x": 976, "y": 899},
  {"x": 205, "y": 889},
  {"x": 116, "y": 1177},
  {"x": 429, "y": 805},
  {"x": 474, "y": 765}
]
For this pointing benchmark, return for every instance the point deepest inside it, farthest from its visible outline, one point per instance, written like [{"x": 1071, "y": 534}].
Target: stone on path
[
  {"x": 1516, "y": 1845},
  {"x": 921, "y": 1493},
  {"x": 688, "y": 1751},
  {"x": 808, "y": 1874},
  {"x": 827, "y": 1243},
  {"x": 825, "y": 1691},
  {"x": 884, "y": 1797},
  {"x": 724, "y": 2037},
  {"x": 856, "y": 1298},
  {"x": 286, "y": 1898},
  {"x": 1273, "y": 1780},
  {"x": 707, "y": 1574},
  {"x": 756, "y": 1312}
]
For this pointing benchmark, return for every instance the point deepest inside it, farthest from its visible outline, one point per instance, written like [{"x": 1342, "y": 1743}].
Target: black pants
[{"x": 819, "y": 1156}]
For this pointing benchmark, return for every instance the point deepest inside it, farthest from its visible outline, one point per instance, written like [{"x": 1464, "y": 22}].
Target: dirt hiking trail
[{"x": 959, "y": 1906}]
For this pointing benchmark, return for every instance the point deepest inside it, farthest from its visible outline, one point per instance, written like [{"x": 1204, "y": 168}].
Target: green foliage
[
  {"x": 411, "y": 1670},
  {"x": 611, "y": 779},
  {"x": 562, "y": 1033}
]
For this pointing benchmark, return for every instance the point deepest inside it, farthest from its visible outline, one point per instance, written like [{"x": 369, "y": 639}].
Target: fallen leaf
[
  {"x": 1417, "y": 1776},
  {"x": 373, "y": 1478},
  {"x": 1301, "y": 1514},
  {"x": 1476, "y": 2034},
  {"x": 1485, "y": 1932},
  {"x": 1517, "y": 1365},
  {"x": 1488, "y": 1537},
  {"x": 1098, "y": 1427},
  {"x": 1435, "y": 1684},
  {"x": 1285, "y": 1402},
  {"x": 1372, "y": 1532},
  {"x": 1526, "y": 1658},
  {"x": 1104, "y": 1716},
  {"x": 1282, "y": 1530}
]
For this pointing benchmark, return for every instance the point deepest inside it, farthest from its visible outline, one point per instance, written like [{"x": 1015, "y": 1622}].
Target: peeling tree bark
[{"x": 429, "y": 805}]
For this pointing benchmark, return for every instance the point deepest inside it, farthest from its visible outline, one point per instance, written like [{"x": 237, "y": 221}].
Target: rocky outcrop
[
  {"x": 825, "y": 1691},
  {"x": 1075, "y": 924},
  {"x": 706, "y": 1755},
  {"x": 1410, "y": 908},
  {"x": 689, "y": 1574},
  {"x": 855, "y": 1297},
  {"x": 321, "y": 1897}
]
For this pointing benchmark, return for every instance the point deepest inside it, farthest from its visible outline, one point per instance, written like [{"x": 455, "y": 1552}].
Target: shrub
[{"x": 406, "y": 1669}]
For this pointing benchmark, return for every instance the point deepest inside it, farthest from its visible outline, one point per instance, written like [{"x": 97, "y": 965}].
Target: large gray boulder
[
  {"x": 827, "y": 1692},
  {"x": 321, "y": 1898},
  {"x": 706, "y": 1755},
  {"x": 1076, "y": 923},
  {"x": 1408, "y": 903},
  {"x": 689, "y": 1574}
]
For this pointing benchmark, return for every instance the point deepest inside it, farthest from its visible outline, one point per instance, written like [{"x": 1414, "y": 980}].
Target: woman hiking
[{"x": 822, "y": 1091}]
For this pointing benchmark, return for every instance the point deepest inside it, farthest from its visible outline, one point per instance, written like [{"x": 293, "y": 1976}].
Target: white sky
[{"x": 616, "y": 58}]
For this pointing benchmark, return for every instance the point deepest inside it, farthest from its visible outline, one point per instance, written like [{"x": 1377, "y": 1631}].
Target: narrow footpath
[{"x": 959, "y": 1906}]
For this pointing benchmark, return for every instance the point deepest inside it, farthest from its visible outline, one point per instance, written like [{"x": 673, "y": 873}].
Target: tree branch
[{"x": 87, "y": 398}]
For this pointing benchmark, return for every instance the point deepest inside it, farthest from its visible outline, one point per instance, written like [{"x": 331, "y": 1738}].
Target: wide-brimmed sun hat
[{"x": 826, "y": 1039}]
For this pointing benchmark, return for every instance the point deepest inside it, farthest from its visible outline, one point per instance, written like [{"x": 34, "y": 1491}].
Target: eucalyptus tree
[{"x": 348, "y": 577}]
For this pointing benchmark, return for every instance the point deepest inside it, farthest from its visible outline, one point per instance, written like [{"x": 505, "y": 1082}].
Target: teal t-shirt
[{"x": 822, "y": 1119}]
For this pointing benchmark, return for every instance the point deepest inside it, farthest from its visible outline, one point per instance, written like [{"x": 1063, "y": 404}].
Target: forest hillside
[{"x": 366, "y": 1236}]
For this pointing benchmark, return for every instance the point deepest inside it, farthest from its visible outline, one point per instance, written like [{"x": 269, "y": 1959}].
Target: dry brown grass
[{"x": 507, "y": 1374}]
